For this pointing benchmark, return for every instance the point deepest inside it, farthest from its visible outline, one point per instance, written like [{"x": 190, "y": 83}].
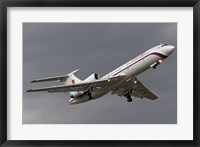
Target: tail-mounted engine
[{"x": 92, "y": 77}]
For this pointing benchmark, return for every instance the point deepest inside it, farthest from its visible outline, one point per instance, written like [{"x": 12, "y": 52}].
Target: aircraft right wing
[
  {"x": 136, "y": 88},
  {"x": 101, "y": 84}
]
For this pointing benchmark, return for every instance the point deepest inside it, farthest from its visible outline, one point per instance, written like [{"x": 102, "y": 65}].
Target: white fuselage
[{"x": 132, "y": 68}]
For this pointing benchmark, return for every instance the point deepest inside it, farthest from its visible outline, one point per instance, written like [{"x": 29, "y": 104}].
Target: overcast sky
[{"x": 52, "y": 49}]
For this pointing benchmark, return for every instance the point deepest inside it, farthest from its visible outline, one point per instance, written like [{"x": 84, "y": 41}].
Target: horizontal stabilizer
[{"x": 61, "y": 78}]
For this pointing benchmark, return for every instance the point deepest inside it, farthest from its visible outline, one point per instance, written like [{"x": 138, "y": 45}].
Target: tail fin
[{"x": 72, "y": 79}]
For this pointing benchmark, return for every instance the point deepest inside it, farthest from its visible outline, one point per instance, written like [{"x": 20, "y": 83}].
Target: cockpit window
[{"x": 163, "y": 45}]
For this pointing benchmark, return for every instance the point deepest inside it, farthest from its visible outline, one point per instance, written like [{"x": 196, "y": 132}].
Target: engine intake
[{"x": 92, "y": 77}]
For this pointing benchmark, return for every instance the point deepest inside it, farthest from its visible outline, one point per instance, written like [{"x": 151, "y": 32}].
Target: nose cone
[{"x": 169, "y": 49}]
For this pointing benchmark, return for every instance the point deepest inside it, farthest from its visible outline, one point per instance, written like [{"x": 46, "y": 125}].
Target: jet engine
[{"x": 92, "y": 77}]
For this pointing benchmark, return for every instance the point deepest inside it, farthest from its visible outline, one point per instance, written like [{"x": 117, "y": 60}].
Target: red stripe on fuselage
[{"x": 155, "y": 53}]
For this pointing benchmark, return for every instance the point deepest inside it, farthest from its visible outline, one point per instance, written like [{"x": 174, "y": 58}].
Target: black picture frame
[{"x": 4, "y": 4}]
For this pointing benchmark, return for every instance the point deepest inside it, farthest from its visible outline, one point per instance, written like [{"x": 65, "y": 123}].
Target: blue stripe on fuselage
[{"x": 153, "y": 53}]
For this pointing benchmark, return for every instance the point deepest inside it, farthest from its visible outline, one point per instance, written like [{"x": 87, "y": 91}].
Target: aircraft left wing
[
  {"x": 101, "y": 83},
  {"x": 136, "y": 88}
]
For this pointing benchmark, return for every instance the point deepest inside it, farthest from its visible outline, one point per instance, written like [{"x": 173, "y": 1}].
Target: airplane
[{"x": 122, "y": 81}]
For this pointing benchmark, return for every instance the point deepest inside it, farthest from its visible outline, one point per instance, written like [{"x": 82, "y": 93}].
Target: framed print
[{"x": 99, "y": 73}]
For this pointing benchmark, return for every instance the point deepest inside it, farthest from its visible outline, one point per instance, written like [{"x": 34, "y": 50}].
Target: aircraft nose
[{"x": 170, "y": 49}]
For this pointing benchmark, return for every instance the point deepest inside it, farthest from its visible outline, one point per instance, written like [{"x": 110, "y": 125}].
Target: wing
[
  {"x": 136, "y": 88},
  {"x": 56, "y": 78},
  {"x": 100, "y": 84}
]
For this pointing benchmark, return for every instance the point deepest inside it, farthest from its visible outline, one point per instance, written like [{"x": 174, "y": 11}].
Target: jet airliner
[{"x": 122, "y": 81}]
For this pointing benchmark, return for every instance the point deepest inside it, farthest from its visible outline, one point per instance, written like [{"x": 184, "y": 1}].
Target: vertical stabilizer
[{"x": 71, "y": 80}]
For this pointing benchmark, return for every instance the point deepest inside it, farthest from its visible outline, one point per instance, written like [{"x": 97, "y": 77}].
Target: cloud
[{"x": 51, "y": 49}]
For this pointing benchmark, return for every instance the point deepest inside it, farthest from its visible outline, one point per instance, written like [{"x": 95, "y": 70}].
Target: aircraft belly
[
  {"x": 81, "y": 99},
  {"x": 84, "y": 97}
]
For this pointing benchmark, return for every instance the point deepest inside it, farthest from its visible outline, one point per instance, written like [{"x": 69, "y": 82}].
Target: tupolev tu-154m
[{"x": 121, "y": 81}]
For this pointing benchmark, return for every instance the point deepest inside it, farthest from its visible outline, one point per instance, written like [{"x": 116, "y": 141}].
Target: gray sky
[{"x": 52, "y": 49}]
